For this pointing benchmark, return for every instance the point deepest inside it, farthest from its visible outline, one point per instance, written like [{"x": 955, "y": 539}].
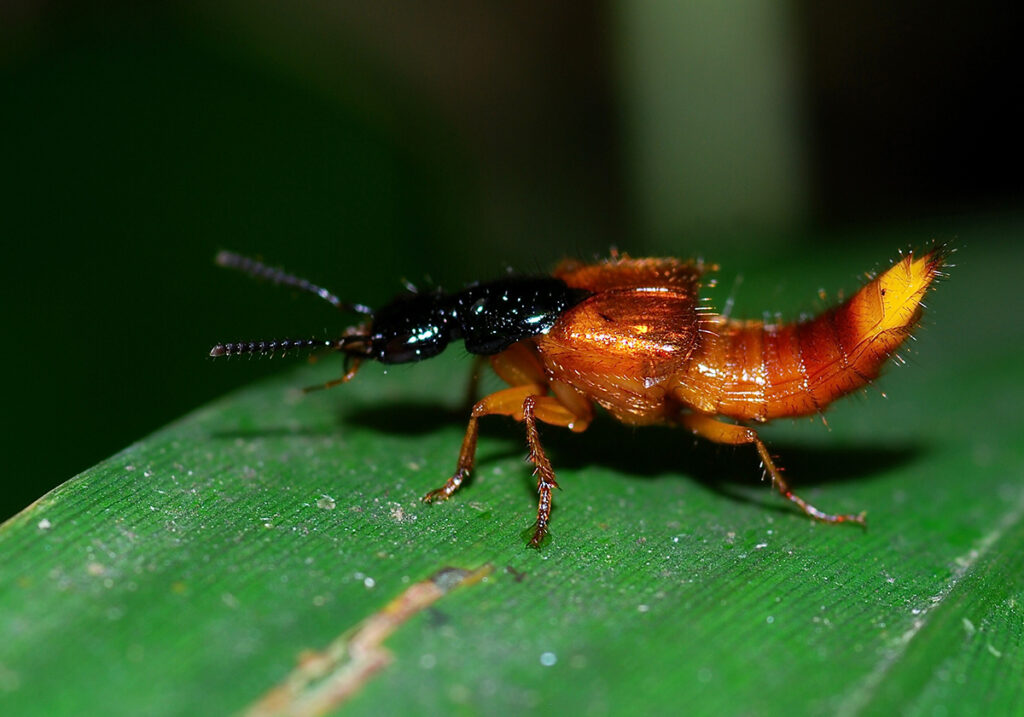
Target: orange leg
[
  {"x": 519, "y": 365},
  {"x": 549, "y": 410},
  {"x": 473, "y": 384},
  {"x": 507, "y": 402},
  {"x": 351, "y": 368},
  {"x": 523, "y": 403},
  {"x": 732, "y": 434},
  {"x": 578, "y": 405}
]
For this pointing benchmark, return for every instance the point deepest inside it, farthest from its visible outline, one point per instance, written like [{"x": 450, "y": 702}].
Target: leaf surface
[{"x": 195, "y": 570}]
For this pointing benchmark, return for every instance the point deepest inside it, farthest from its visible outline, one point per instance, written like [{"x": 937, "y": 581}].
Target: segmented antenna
[
  {"x": 270, "y": 347},
  {"x": 355, "y": 345},
  {"x": 259, "y": 270}
]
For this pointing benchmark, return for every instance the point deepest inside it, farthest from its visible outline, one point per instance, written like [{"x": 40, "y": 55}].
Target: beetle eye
[{"x": 411, "y": 346}]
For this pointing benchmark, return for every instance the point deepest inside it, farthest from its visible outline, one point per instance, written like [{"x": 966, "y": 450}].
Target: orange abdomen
[{"x": 752, "y": 371}]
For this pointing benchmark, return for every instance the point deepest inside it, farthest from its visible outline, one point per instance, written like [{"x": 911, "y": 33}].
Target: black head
[{"x": 411, "y": 328}]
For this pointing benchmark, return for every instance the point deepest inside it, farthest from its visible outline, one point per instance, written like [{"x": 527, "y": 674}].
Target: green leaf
[{"x": 264, "y": 536}]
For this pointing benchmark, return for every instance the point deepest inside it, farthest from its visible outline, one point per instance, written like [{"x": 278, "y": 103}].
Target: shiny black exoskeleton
[{"x": 489, "y": 317}]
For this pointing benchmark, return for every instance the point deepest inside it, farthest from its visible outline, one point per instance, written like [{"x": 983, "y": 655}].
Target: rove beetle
[{"x": 631, "y": 336}]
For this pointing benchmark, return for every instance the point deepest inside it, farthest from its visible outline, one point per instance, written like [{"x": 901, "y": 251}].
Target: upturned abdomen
[{"x": 750, "y": 371}]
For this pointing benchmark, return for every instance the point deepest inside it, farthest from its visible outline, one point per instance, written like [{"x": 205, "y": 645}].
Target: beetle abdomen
[{"x": 750, "y": 371}]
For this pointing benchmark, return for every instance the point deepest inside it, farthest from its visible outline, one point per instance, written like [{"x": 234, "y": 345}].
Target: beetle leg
[
  {"x": 507, "y": 402},
  {"x": 473, "y": 384},
  {"x": 543, "y": 470},
  {"x": 519, "y": 365},
  {"x": 732, "y": 434},
  {"x": 527, "y": 404},
  {"x": 550, "y": 410},
  {"x": 351, "y": 368},
  {"x": 581, "y": 410}
]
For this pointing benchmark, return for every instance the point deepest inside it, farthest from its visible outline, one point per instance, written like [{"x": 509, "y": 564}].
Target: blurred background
[{"x": 361, "y": 143}]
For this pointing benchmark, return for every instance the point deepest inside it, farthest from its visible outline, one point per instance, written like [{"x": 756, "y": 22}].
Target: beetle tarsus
[
  {"x": 545, "y": 473},
  {"x": 780, "y": 485},
  {"x": 450, "y": 486}
]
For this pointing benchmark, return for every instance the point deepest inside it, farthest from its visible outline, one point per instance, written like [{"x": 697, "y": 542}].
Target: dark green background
[{"x": 134, "y": 154}]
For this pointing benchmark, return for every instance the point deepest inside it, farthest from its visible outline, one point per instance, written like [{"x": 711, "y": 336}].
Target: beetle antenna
[
  {"x": 271, "y": 347},
  {"x": 259, "y": 270},
  {"x": 353, "y": 345}
]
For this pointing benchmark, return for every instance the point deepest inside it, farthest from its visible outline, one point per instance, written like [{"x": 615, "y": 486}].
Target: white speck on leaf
[{"x": 95, "y": 569}]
